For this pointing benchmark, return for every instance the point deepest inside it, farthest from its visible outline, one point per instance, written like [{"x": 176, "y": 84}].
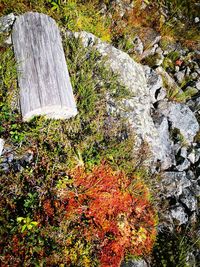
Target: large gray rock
[
  {"x": 6, "y": 22},
  {"x": 131, "y": 74},
  {"x": 181, "y": 118}
]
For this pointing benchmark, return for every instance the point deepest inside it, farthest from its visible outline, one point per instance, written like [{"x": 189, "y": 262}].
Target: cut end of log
[{"x": 51, "y": 112}]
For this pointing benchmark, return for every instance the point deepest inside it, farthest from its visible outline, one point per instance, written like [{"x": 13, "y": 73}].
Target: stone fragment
[
  {"x": 4, "y": 167},
  {"x": 180, "y": 75},
  {"x": 190, "y": 175},
  {"x": 161, "y": 94},
  {"x": 194, "y": 104},
  {"x": 121, "y": 6},
  {"x": 154, "y": 82},
  {"x": 181, "y": 117},
  {"x": 155, "y": 40},
  {"x": 177, "y": 68},
  {"x": 188, "y": 199},
  {"x": 173, "y": 183},
  {"x": 183, "y": 152},
  {"x": 191, "y": 156},
  {"x": 198, "y": 70},
  {"x": 10, "y": 157},
  {"x": 188, "y": 71},
  {"x": 191, "y": 259},
  {"x": 194, "y": 75},
  {"x": 6, "y": 22},
  {"x": 150, "y": 37},
  {"x": 159, "y": 60},
  {"x": 184, "y": 166},
  {"x": 197, "y": 156},
  {"x": 179, "y": 215},
  {"x": 176, "y": 148},
  {"x": 138, "y": 45},
  {"x": 165, "y": 152},
  {"x": 197, "y": 84},
  {"x": 8, "y": 41},
  {"x": 196, "y": 188},
  {"x": 159, "y": 57},
  {"x": 196, "y": 19},
  {"x": 1, "y": 145}
]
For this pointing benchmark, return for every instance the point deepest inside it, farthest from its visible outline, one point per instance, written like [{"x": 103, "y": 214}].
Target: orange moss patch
[{"x": 111, "y": 211}]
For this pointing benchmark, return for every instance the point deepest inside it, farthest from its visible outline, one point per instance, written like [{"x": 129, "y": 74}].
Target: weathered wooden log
[{"x": 43, "y": 77}]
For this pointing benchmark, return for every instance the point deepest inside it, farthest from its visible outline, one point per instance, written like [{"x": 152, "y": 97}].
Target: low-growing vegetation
[
  {"x": 72, "y": 195},
  {"x": 177, "y": 251},
  {"x": 103, "y": 18}
]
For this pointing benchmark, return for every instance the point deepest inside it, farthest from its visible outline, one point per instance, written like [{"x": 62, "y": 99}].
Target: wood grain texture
[{"x": 43, "y": 77}]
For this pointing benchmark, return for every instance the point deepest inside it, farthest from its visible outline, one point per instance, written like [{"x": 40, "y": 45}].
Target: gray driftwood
[{"x": 44, "y": 82}]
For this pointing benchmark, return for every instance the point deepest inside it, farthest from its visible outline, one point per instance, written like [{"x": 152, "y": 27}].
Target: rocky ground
[
  {"x": 164, "y": 112},
  {"x": 168, "y": 124}
]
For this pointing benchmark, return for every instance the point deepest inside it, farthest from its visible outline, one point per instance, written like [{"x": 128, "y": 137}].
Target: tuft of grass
[
  {"x": 178, "y": 93},
  {"x": 175, "y": 94},
  {"x": 178, "y": 137},
  {"x": 176, "y": 250}
]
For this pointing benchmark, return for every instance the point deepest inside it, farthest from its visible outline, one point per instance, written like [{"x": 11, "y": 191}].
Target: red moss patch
[{"x": 112, "y": 212}]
